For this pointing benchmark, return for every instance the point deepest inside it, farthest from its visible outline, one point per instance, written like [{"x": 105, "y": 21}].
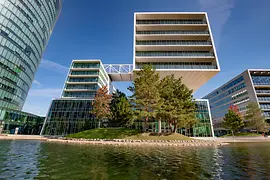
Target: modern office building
[
  {"x": 176, "y": 43},
  {"x": 26, "y": 27},
  {"x": 253, "y": 85},
  {"x": 71, "y": 113}
]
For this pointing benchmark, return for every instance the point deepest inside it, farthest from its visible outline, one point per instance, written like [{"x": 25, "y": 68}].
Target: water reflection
[
  {"x": 65, "y": 161},
  {"x": 18, "y": 159}
]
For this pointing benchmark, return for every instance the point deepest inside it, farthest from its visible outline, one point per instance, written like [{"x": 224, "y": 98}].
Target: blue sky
[{"x": 103, "y": 29}]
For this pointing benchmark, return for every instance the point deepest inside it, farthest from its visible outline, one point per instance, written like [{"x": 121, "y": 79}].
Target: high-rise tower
[{"x": 25, "y": 28}]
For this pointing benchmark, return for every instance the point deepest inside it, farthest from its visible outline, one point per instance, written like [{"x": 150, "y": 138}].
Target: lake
[{"x": 42, "y": 160}]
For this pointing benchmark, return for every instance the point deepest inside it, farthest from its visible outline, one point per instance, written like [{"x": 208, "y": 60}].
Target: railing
[
  {"x": 83, "y": 80},
  {"x": 173, "y": 42},
  {"x": 170, "y": 22},
  {"x": 84, "y": 72},
  {"x": 172, "y": 32},
  {"x": 118, "y": 68},
  {"x": 262, "y": 91},
  {"x": 264, "y": 98},
  {"x": 178, "y": 65},
  {"x": 173, "y": 53}
]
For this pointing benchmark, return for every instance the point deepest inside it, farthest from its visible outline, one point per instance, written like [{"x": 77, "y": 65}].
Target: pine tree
[
  {"x": 177, "y": 105},
  {"x": 233, "y": 121},
  {"x": 101, "y": 104},
  {"x": 255, "y": 117},
  {"x": 145, "y": 93},
  {"x": 121, "y": 110}
]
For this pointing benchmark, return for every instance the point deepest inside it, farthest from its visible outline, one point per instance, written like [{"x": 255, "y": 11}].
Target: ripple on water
[{"x": 40, "y": 160}]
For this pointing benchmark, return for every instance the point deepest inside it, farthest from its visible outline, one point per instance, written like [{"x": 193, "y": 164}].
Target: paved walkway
[{"x": 21, "y": 137}]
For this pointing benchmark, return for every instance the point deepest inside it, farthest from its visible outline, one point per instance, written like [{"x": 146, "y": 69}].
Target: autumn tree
[
  {"x": 255, "y": 118},
  {"x": 121, "y": 110},
  {"x": 145, "y": 93},
  {"x": 101, "y": 104},
  {"x": 232, "y": 121}
]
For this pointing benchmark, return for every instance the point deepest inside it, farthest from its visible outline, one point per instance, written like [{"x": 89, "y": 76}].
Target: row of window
[
  {"x": 179, "y": 65},
  {"x": 171, "y": 22},
  {"x": 92, "y": 79},
  {"x": 174, "y": 53},
  {"x": 84, "y": 72},
  {"x": 240, "y": 95},
  {"x": 261, "y": 80},
  {"x": 80, "y": 94},
  {"x": 172, "y": 32},
  {"x": 262, "y": 90},
  {"x": 232, "y": 90},
  {"x": 265, "y": 106},
  {"x": 264, "y": 98},
  {"x": 82, "y": 86},
  {"x": 173, "y": 42},
  {"x": 266, "y": 113},
  {"x": 86, "y": 65}
]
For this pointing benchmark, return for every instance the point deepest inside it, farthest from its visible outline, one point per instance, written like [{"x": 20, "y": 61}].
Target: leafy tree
[
  {"x": 145, "y": 93},
  {"x": 233, "y": 121},
  {"x": 255, "y": 117},
  {"x": 121, "y": 110},
  {"x": 176, "y": 103},
  {"x": 101, "y": 104}
]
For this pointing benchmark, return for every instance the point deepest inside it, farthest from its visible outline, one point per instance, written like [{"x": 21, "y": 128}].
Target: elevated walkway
[{"x": 119, "y": 72}]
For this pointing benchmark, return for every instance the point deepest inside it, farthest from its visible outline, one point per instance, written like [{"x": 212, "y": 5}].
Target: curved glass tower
[{"x": 25, "y": 28}]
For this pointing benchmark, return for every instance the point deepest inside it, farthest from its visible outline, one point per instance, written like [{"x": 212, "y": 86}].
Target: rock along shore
[{"x": 127, "y": 142}]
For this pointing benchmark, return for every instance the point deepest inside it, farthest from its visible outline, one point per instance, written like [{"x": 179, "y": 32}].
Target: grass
[
  {"x": 122, "y": 133},
  {"x": 247, "y": 134}
]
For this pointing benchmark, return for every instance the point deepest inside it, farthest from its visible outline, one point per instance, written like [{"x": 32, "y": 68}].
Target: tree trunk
[
  {"x": 232, "y": 132},
  {"x": 175, "y": 128},
  {"x": 159, "y": 126}
]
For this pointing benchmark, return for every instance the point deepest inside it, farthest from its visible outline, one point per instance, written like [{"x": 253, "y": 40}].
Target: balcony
[
  {"x": 173, "y": 32},
  {"x": 170, "y": 22},
  {"x": 79, "y": 90},
  {"x": 174, "y": 56},
  {"x": 179, "y": 65},
  {"x": 173, "y": 45}
]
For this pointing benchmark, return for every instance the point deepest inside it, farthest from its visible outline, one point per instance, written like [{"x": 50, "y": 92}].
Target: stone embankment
[{"x": 127, "y": 142}]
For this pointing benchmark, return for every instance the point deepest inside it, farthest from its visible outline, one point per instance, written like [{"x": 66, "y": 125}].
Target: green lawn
[
  {"x": 249, "y": 134},
  {"x": 122, "y": 133}
]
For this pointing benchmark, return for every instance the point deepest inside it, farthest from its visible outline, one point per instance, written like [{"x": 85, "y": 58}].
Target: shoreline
[
  {"x": 127, "y": 142},
  {"x": 197, "y": 141}
]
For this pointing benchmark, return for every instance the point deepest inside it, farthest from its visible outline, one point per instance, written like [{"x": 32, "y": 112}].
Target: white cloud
[
  {"x": 219, "y": 12},
  {"x": 36, "y": 82},
  {"x": 53, "y": 66},
  {"x": 48, "y": 92}
]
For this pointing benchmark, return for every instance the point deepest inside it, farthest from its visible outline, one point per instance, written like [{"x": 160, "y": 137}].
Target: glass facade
[
  {"x": 173, "y": 42},
  {"x": 174, "y": 53},
  {"x": 25, "y": 28},
  {"x": 172, "y": 32},
  {"x": 261, "y": 80},
  {"x": 179, "y": 65},
  {"x": 202, "y": 129},
  {"x": 171, "y": 22},
  {"x": 69, "y": 116},
  {"x": 26, "y": 122}
]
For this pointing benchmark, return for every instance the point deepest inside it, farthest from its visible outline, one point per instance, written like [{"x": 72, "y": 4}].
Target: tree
[
  {"x": 255, "y": 117},
  {"x": 101, "y": 104},
  {"x": 145, "y": 93},
  {"x": 233, "y": 121},
  {"x": 176, "y": 103},
  {"x": 121, "y": 110}
]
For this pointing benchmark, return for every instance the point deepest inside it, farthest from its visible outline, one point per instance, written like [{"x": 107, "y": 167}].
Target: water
[{"x": 41, "y": 160}]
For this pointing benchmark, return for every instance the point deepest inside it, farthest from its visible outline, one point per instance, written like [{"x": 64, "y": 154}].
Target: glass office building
[
  {"x": 72, "y": 112},
  {"x": 25, "y": 122},
  {"x": 203, "y": 128},
  {"x": 25, "y": 28},
  {"x": 253, "y": 85}
]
